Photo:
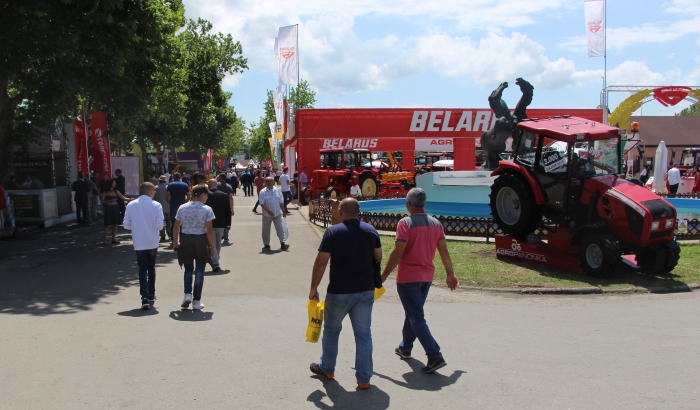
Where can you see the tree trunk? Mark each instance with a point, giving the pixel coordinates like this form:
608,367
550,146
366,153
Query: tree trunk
144,157
7,116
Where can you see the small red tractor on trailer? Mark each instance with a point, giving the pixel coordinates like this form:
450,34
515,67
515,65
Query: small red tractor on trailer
568,171
336,174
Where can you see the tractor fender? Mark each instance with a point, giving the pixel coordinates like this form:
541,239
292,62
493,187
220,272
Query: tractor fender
579,232
508,166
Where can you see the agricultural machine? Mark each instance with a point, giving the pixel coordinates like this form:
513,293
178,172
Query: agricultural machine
568,171
342,169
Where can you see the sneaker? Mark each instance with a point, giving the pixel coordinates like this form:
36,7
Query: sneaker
404,354
225,240
152,298
316,369
197,305
145,305
434,364
363,386
255,211
284,246
215,268
267,246
187,300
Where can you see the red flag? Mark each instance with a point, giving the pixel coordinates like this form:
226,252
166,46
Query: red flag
101,141
81,155
220,163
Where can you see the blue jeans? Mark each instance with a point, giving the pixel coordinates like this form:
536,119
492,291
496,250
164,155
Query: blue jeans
413,296
287,195
359,307
196,267
147,272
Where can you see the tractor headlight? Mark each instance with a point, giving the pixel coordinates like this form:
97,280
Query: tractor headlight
669,223
655,226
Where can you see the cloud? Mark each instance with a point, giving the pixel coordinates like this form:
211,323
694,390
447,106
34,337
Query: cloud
497,58
231,81
634,73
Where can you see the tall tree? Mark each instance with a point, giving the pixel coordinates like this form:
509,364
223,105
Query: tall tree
260,131
55,53
692,111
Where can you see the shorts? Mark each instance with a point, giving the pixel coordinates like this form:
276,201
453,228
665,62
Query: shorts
112,216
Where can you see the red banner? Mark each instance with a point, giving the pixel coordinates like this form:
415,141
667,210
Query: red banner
81,155
208,159
220,163
101,142
95,160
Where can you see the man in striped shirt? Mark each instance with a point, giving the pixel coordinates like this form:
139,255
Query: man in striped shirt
417,237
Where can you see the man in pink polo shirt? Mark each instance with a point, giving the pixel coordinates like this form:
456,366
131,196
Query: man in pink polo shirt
417,238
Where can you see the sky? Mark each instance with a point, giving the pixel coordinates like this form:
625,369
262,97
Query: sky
453,53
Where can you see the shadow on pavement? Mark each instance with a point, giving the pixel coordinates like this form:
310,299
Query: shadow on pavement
372,399
416,380
139,312
186,315
63,270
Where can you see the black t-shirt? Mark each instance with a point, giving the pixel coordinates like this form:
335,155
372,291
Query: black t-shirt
218,202
351,256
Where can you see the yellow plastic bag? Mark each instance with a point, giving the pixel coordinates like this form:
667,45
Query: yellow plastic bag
378,292
313,330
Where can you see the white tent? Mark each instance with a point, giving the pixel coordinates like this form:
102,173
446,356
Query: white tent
239,166
658,185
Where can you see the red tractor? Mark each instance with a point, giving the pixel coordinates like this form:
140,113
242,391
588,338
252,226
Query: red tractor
340,170
568,171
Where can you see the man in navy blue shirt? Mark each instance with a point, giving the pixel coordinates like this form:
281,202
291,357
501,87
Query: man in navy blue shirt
178,193
351,247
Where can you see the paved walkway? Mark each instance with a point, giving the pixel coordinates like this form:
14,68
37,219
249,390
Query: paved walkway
73,337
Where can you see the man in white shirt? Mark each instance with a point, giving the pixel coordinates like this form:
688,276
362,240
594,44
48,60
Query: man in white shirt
286,190
144,218
272,204
673,176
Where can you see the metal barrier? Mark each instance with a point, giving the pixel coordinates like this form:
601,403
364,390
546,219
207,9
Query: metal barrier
320,214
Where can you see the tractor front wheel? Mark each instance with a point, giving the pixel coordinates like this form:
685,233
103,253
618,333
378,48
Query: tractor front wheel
673,254
600,254
306,195
331,193
513,206
368,184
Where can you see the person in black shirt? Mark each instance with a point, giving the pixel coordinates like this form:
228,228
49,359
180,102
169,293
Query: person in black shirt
351,247
81,188
12,183
121,187
219,203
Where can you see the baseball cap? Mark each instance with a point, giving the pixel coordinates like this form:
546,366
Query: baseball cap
199,190
286,168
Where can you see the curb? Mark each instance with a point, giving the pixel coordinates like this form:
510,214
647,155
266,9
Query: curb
578,291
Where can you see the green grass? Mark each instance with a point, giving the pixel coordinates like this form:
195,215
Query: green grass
475,264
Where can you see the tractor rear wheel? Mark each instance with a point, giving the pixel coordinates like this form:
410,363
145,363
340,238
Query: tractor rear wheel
600,254
513,206
306,195
368,184
331,193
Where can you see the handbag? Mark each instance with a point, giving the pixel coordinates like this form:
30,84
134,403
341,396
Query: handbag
376,264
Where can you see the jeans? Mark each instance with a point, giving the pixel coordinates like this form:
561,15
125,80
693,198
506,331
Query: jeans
147,272
196,267
218,233
287,195
413,296
359,307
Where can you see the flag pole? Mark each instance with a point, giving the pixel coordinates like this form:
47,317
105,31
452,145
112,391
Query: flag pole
298,72
605,60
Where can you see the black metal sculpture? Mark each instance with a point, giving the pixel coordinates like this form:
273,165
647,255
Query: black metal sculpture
493,141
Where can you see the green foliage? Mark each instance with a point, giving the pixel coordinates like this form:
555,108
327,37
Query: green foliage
692,111
260,131
233,139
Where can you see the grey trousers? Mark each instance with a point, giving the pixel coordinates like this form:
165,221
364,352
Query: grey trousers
218,234
266,222
166,226
93,208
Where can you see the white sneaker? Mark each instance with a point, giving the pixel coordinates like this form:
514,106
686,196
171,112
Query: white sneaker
197,305
187,300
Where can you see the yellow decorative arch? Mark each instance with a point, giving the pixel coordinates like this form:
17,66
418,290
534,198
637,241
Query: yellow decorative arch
623,111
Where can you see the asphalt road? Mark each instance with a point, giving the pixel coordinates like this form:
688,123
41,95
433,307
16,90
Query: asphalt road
73,337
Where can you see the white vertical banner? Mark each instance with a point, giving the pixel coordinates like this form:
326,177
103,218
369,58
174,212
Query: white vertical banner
595,27
277,54
288,57
278,101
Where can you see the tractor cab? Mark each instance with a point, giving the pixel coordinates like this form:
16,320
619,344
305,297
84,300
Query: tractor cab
561,162
346,159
